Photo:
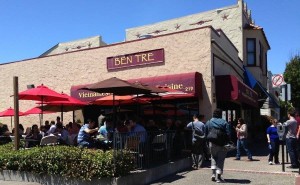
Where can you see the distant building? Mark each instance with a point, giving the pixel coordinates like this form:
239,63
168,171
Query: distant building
76,45
271,105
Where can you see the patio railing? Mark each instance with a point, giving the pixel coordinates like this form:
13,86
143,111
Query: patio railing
150,149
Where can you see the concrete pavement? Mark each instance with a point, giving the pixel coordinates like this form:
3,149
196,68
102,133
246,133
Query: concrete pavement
257,172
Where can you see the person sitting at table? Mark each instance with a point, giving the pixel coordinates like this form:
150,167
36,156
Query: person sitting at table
62,134
4,130
136,129
52,128
4,134
106,130
86,133
34,137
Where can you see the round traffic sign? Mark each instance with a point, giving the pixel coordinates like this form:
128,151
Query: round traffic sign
277,80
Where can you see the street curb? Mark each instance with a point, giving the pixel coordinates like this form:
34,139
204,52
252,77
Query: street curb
297,180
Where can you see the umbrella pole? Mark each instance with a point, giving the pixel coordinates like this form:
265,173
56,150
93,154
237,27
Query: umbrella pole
11,123
73,116
61,113
41,120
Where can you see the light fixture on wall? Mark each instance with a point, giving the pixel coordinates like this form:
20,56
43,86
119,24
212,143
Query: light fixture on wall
30,86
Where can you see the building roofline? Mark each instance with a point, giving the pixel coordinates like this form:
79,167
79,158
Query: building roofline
114,44
73,41
256,27
185,16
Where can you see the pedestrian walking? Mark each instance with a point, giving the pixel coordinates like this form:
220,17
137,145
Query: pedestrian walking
218,133
242,133
198,141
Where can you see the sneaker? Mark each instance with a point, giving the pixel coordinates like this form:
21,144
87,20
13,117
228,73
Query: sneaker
250,159
213,178
270,163
278,163
220,180
237,159
195,167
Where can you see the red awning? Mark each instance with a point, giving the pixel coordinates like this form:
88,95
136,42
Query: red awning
190,83
229,88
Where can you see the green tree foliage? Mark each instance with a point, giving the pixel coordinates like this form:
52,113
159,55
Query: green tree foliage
292,76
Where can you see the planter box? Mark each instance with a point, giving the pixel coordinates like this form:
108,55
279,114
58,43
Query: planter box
135,178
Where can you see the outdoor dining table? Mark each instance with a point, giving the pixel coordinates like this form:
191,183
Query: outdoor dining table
29,140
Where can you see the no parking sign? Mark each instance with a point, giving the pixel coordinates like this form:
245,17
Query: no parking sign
278,80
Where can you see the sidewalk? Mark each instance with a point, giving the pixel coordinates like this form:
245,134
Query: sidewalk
257,172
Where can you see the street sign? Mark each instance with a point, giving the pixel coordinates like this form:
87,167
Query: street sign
277,80
286,92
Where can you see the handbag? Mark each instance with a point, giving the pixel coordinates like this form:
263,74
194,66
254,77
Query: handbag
230,146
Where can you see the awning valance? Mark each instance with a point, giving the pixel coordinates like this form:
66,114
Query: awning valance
263,94
190,83
229,88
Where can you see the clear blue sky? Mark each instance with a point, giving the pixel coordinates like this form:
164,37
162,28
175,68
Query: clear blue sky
29,28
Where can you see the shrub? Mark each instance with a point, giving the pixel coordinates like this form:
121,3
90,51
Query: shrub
69,162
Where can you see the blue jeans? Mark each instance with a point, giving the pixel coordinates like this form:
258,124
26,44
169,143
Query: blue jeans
242,143
291,146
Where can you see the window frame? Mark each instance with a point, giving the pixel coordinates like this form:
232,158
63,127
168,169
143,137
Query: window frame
252,52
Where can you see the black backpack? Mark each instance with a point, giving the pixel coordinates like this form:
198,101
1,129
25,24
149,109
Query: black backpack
217,136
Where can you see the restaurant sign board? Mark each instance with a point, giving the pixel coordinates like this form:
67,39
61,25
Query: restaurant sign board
133,60
190,83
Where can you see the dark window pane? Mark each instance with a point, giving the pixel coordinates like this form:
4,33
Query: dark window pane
251,59
250,45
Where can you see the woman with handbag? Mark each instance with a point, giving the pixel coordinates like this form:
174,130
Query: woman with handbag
242,133
218,134
198,140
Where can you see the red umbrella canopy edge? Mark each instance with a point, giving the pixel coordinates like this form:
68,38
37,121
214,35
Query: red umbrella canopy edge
41,93
10,112
116,86
69,101
37,110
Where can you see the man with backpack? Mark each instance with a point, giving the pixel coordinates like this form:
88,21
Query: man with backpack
218,134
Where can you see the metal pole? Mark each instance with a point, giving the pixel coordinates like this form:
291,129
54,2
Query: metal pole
42,111
282,152
16,113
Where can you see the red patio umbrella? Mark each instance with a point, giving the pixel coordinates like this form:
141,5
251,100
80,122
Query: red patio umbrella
37,110
41,93
122,100
69,104
116,86
10,112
